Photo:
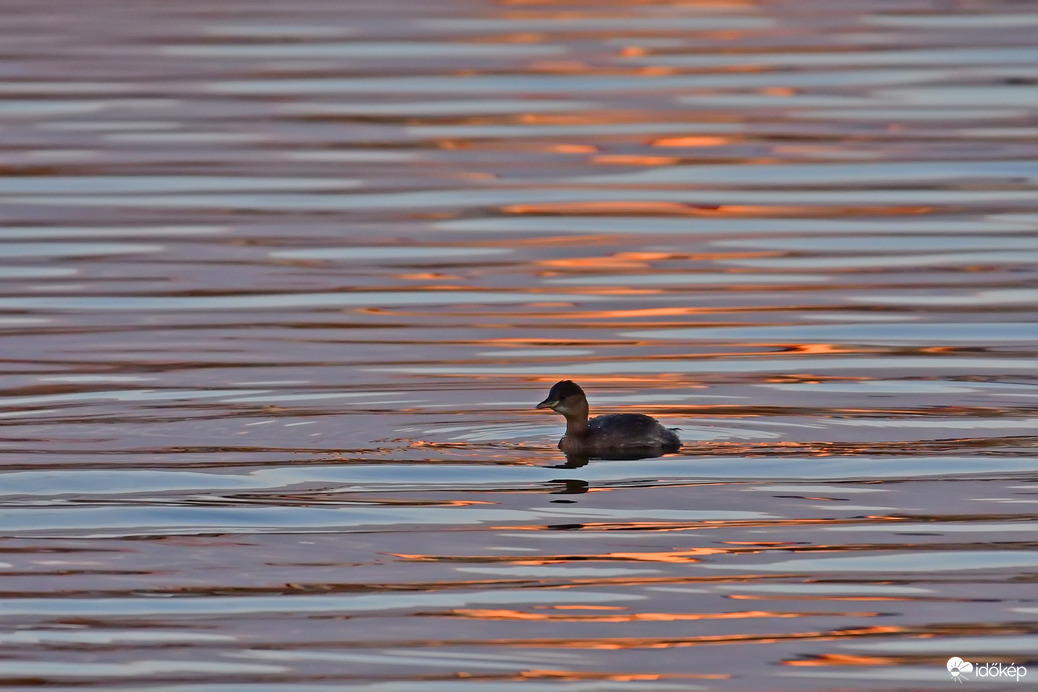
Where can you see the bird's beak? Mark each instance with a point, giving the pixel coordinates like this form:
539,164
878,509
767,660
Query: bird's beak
547,403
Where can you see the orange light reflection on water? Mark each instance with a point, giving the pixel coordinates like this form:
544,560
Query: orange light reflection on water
640,260
692,142
825,597
504,614
608,262
576,676
634,160
573,676
826,660
674,209
664,527
819,349
618,643
675,557
573,148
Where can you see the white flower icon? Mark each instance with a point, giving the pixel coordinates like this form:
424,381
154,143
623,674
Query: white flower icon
956,666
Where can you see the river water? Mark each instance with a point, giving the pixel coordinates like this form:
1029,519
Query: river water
282,282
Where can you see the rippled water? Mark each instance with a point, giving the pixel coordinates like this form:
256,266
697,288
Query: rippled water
281,283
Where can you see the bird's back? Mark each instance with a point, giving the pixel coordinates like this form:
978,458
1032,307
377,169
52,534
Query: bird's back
618,430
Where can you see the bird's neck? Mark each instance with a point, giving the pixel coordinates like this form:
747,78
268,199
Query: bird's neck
576,422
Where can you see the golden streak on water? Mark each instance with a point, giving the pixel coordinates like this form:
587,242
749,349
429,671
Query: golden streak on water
281,288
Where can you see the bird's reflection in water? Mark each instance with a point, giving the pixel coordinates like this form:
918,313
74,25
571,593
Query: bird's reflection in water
570,486
573,461
576,461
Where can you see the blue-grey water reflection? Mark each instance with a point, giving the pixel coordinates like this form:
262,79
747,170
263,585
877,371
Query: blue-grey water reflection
281,282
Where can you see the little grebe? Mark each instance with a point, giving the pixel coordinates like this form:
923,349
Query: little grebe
610,433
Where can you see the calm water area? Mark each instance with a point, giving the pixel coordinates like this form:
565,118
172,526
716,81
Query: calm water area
282,281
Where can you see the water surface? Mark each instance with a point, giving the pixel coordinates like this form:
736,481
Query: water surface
281,284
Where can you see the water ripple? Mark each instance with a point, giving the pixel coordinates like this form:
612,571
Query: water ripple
280,289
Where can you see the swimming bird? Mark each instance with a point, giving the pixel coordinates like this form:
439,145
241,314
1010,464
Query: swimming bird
609,434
